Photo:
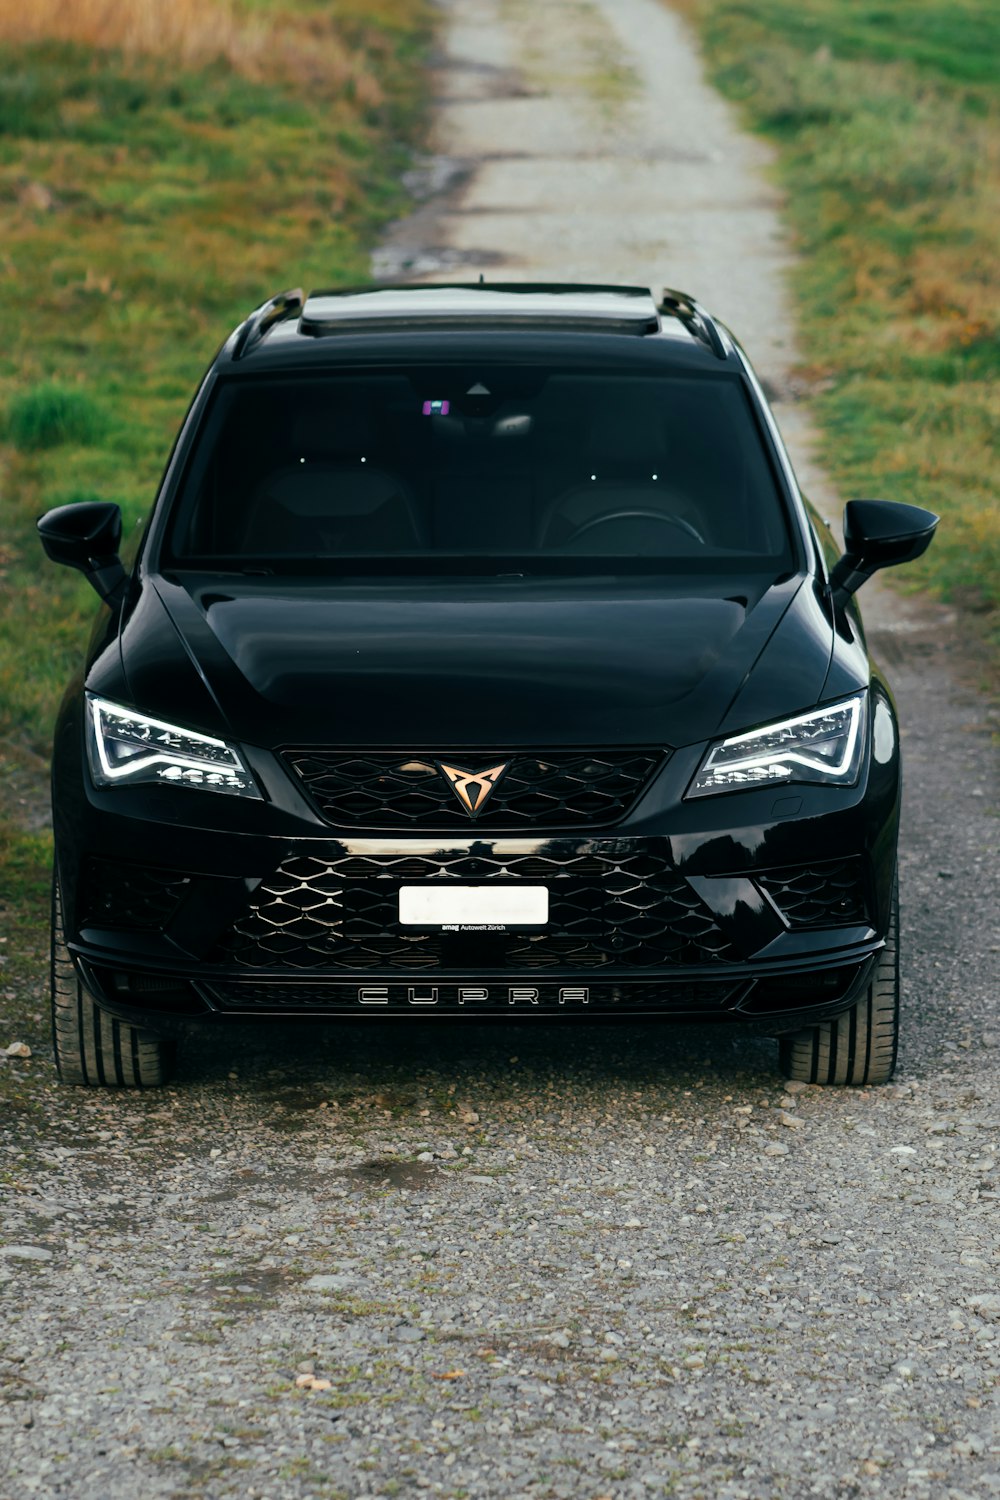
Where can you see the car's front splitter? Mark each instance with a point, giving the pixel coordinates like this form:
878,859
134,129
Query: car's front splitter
767,997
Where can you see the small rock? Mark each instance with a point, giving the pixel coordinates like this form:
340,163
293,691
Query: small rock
405,1333
792,1121
25,1252
695,1361
332,1283
37,196
794,1086
468,1116
17,1049
775,1148
425,1156
987,1305
902,1151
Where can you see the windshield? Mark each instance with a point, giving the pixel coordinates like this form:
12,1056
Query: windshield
481,469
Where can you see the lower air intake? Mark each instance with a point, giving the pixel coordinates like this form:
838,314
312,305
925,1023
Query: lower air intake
608,909
528,997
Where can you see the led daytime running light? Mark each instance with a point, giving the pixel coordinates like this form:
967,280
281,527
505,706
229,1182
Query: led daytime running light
822,746
150,750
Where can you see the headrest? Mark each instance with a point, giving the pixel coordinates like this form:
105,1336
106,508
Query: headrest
627,435
331,430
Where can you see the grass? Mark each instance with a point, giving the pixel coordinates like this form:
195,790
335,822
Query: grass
258,39
49,414
164,166
887,123
25,891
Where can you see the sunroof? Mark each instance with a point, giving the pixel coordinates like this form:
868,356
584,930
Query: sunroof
608,308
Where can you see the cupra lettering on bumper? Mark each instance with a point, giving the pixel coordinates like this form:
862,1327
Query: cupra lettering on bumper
470,995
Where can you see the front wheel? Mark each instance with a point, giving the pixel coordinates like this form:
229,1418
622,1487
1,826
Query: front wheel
859,1046
91,1047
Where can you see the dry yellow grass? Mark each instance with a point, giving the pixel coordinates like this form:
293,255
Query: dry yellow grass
191,28
198,32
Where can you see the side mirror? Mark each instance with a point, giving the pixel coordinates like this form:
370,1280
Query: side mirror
879,534
87,536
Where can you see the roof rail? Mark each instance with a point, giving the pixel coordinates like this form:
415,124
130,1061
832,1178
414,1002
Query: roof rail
695,318
262,318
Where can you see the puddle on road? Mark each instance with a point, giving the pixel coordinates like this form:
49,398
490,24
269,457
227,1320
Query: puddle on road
381,1172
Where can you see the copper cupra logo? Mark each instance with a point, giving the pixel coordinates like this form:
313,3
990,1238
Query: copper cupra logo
472,788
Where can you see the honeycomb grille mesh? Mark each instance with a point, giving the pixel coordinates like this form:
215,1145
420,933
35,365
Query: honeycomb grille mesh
136,897
402,793
828,894
607,910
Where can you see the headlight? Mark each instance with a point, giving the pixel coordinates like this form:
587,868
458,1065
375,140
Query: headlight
823,746
127,749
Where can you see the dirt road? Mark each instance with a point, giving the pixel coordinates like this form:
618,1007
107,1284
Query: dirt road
527,1262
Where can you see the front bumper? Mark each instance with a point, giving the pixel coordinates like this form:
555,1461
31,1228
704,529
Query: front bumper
628,934
765,907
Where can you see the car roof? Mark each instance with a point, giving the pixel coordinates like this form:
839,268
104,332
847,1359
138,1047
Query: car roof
533,320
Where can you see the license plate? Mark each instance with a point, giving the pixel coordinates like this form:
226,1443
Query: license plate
473,908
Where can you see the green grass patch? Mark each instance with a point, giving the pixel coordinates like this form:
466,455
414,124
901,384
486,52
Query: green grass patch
25,893
887,124
146,205
49,415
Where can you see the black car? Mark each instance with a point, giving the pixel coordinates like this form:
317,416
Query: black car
481,658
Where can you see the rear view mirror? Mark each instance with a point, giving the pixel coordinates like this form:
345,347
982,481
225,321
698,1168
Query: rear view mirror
879,534
87,536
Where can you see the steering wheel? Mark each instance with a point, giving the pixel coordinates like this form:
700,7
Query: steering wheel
636,515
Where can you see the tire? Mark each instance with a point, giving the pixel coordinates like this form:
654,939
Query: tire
859,1046
91,1047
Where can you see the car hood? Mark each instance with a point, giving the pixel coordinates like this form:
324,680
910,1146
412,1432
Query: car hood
465,663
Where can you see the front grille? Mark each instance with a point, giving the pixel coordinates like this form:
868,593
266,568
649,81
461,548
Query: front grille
138,897
607,909
408,793
829,894
691,996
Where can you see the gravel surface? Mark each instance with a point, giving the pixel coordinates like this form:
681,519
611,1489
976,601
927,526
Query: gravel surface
503,1261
